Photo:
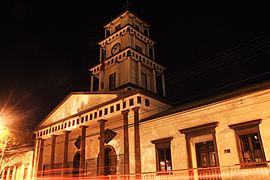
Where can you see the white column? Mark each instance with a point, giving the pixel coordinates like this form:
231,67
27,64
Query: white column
92,83
36,155
100,53
22,171
154,81
128,70
29,170
147,50
3,173
101,81
140,73
153,52
13,173
118,74
133,40
163,85
8,174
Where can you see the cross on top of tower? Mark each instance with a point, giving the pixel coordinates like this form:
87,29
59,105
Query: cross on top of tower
127,5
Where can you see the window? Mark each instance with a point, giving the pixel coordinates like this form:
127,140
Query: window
105,111
95,115
82,119
139,100
78,121
117,27
249,143
91,116
147,102
163,154
111,109
124,104
117,107
138,48
131,102
112,82
86,118
100,113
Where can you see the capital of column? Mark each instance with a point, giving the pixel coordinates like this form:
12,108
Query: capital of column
102,120
54,136
135,109
83,126
125,112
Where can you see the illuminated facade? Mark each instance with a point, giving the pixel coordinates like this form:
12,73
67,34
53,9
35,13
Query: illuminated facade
18,164
124,125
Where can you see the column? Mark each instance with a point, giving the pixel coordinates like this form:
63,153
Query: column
8,174
140,73
100,54
65,158
147,50
82,152
128,69
126,141
154,81
137,140
22,171
163,85
3,173
133,40
92,83
215,147
52,151
35,158
101,146
118,74
40,157
190,172
13,173
153,52
101,81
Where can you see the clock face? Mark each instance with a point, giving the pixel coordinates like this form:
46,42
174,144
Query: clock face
115,49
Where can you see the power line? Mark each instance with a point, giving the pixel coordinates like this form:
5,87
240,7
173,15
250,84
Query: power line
256,47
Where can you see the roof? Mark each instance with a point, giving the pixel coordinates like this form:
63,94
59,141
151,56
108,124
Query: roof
223,95
118,95
127,11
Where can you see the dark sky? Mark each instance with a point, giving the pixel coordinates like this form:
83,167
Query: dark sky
46,48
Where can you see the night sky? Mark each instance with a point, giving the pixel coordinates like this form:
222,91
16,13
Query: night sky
46,48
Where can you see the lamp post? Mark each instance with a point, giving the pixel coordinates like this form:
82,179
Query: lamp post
4,134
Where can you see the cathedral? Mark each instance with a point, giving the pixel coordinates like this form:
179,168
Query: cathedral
124,126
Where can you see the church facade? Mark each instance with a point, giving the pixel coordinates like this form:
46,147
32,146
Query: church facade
125,126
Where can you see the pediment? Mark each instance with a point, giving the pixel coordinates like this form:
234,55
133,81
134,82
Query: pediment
75,103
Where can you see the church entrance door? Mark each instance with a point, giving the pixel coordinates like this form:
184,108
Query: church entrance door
110,161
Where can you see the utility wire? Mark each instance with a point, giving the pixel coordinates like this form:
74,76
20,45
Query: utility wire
222,60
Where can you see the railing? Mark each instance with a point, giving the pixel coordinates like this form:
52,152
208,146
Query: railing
235,172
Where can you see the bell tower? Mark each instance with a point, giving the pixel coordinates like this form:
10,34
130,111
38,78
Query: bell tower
127,57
